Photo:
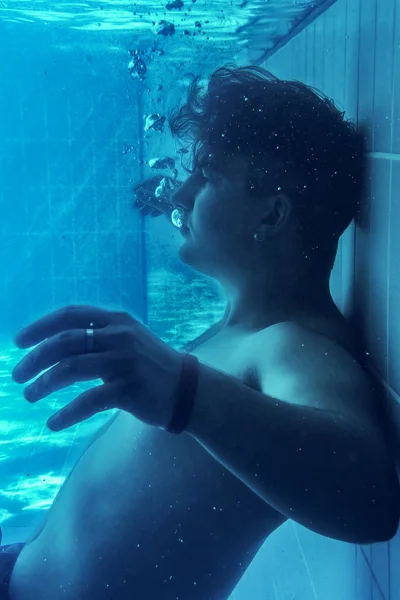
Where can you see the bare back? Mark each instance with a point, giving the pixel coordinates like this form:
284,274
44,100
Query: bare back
148,515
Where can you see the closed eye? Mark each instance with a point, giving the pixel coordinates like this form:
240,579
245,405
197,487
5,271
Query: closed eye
209,174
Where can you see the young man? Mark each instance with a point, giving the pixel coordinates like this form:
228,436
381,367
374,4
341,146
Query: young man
285,419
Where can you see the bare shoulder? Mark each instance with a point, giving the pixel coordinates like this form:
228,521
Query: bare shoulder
301,366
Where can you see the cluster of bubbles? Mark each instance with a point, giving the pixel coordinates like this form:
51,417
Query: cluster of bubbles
153,196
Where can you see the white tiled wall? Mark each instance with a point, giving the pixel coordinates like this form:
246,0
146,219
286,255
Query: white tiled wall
352,53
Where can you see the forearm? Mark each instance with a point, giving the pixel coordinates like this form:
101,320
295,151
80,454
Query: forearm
313,466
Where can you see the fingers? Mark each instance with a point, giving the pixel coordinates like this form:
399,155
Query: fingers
66,373
69,317
60,338
95,400
70,344
50,352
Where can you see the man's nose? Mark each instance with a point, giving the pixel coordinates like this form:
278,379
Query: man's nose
186,193
181,196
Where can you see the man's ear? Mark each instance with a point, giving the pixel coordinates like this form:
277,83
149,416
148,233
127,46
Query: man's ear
278,211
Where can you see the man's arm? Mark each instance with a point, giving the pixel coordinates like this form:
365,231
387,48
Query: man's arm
102,430
309,445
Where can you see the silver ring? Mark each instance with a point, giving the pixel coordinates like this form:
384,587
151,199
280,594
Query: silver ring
89,340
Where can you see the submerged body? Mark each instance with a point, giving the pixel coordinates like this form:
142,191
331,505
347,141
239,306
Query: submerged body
276,179
148,515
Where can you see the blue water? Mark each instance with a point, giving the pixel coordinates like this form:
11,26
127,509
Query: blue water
33,461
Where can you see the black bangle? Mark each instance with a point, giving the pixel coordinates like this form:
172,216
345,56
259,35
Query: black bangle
186,394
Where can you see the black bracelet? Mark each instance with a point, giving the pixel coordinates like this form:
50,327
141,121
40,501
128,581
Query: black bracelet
186,394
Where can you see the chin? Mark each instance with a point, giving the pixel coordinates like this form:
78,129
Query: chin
188,254
184,253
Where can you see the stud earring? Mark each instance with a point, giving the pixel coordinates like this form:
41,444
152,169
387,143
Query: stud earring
259,237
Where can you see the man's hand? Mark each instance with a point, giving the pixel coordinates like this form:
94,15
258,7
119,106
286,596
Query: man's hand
140,373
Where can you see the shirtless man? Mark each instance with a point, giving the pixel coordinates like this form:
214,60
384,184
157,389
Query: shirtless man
285,421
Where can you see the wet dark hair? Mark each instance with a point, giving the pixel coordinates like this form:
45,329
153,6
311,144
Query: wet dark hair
294,138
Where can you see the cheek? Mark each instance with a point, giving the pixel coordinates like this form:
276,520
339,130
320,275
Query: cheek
207,211
216,214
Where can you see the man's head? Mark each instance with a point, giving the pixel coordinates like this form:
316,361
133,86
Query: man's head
268,156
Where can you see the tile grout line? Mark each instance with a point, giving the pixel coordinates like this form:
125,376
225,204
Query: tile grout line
384,155
373,576
305,563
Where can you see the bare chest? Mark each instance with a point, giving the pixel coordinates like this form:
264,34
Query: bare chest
147,453
163,505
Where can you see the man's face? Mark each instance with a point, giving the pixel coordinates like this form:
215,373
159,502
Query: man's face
220,218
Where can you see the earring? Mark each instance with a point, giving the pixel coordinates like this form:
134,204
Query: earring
259,237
